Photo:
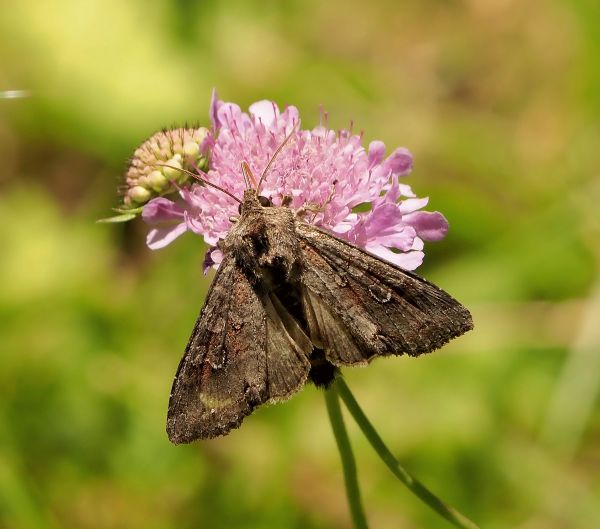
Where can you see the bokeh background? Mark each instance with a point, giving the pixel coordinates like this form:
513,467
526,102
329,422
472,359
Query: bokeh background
499,101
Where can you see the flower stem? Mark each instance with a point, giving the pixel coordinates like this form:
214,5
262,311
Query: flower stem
413,484
348,463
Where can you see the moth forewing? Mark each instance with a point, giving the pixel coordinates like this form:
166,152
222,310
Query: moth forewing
221,377
246,348
382,308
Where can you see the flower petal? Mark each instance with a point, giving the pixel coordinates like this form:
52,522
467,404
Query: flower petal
382,218
402,239
213,110
400,162
161,210
418,244
212,259
430,226
412,204
376,153
406,191
163,235
266,111
409,260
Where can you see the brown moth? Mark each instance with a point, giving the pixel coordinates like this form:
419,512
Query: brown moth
290,303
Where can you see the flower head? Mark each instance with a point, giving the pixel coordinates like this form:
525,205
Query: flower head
156,166
354,192
159,166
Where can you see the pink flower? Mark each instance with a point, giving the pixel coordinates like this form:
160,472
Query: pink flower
356,190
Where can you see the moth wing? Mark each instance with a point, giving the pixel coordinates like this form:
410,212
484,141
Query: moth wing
241,354
360,306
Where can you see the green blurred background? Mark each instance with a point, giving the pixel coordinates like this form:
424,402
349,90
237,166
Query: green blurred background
499,101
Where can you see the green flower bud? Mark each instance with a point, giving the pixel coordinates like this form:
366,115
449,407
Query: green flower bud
202,164
172,167
200,134
139,194
177,147
158,181
191,149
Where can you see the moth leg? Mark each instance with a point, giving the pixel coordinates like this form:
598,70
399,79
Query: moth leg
307,208
315,209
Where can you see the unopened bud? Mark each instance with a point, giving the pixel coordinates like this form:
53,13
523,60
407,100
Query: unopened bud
157,181
173,167
191,149
202,164
139,194
200,134
161,165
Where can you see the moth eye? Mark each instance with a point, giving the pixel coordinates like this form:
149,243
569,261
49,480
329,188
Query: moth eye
265,202
240,209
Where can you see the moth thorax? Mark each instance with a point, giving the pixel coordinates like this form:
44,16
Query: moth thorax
280,274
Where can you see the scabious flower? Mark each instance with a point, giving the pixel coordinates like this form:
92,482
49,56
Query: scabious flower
351,191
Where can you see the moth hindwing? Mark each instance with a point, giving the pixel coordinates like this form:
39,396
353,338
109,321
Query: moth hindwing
292,303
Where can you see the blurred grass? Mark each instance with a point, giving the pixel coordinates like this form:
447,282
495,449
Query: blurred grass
498,100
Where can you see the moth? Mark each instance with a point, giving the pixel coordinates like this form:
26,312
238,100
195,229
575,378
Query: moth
292,303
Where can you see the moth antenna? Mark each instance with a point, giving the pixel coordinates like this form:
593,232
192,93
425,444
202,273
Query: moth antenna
275,154
200,179
248,176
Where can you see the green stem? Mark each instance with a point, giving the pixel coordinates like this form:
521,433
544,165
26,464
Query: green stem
413,484
348,464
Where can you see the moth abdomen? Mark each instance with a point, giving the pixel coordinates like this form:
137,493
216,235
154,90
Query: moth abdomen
322,372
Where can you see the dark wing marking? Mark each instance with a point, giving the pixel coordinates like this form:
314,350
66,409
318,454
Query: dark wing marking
240,355
359,306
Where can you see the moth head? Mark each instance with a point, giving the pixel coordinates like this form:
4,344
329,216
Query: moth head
252,200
